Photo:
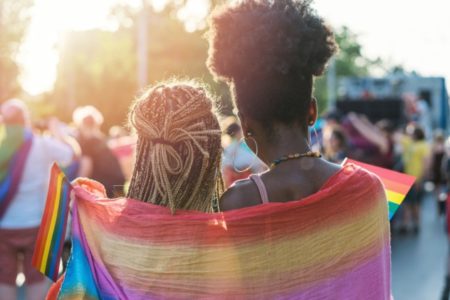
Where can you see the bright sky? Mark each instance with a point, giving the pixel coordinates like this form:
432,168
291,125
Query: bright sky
413,33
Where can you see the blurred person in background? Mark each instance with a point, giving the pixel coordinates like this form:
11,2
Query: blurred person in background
123,145
446,175
446,165
424,117
238,160
97,161
379,140
66,133
437,175
333,117
117,132
418,111
335,144
25,161
416,157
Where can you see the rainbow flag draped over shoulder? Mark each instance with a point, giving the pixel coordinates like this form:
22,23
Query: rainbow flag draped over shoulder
331,245
396,184
49,244
15,145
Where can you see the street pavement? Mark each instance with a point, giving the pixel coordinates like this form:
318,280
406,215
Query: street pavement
419,261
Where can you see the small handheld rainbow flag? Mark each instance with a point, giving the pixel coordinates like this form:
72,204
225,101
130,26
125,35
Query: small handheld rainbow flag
49,244
397,184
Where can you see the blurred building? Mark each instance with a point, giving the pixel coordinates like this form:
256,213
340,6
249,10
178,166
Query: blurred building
398,97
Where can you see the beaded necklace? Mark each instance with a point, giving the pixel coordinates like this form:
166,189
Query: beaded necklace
292,156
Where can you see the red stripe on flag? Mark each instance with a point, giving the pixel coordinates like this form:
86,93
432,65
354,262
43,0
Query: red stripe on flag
390,175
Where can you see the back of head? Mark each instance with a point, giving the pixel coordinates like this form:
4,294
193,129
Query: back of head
270,52
179,148
15,112
87,117
340,136
415,131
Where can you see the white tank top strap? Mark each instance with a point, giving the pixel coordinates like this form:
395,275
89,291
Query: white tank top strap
261,188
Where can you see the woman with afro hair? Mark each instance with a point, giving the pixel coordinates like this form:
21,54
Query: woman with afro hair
269,52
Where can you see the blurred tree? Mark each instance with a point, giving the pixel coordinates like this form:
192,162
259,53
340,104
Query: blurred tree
96,68
14,19
100,67
350,61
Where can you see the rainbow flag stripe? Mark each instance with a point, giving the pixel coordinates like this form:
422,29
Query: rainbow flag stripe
331,245
396,184
49,244
12,175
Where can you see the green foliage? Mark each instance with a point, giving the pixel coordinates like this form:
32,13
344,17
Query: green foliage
96,68
14,19
100,67
350,61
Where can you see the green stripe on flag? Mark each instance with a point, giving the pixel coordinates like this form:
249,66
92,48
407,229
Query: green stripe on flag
392,209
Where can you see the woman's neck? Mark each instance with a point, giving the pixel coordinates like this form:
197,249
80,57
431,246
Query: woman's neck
287,141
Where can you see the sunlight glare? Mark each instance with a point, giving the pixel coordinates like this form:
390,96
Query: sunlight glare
159,5
52,18
193,14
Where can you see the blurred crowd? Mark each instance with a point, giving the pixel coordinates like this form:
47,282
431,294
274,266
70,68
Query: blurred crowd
80,148
403,148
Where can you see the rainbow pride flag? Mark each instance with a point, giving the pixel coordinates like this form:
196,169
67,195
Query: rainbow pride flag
15,145
396,184
331,245
49,244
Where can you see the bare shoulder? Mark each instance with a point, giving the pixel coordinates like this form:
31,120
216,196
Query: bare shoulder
327,169
332,167
243,193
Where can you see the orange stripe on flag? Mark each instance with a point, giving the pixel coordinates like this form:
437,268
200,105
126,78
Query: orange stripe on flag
396,187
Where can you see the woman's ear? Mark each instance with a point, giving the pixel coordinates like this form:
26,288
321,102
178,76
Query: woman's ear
312,112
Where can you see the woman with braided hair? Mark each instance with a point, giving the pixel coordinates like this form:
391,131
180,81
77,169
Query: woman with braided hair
178,153
333,245
179,148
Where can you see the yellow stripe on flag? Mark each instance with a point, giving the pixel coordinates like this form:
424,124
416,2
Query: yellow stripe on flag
52,223
394,197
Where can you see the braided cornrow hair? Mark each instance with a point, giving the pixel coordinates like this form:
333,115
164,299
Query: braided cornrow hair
179,150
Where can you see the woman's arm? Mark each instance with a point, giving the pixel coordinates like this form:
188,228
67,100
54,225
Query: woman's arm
370,132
